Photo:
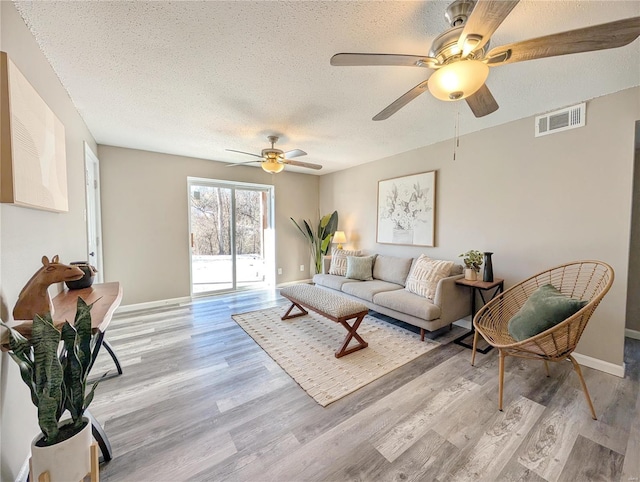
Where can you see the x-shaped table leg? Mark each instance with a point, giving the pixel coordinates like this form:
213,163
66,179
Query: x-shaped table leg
352,334
287,316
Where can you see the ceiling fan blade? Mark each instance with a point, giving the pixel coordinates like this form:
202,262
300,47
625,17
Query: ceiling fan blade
400,102
294,153
485,18
482,102
383,59
303,164
234,164
598,37
247,153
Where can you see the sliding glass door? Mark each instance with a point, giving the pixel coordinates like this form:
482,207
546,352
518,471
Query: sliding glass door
231,236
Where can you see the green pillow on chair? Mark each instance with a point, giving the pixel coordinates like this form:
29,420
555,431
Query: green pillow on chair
544,309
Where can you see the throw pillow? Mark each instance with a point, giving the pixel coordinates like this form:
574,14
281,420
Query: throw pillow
360,267
544,309
339,260
425,274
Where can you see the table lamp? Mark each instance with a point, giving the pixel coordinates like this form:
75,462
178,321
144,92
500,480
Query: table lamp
339,237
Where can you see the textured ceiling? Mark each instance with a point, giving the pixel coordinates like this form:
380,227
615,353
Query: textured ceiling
194,78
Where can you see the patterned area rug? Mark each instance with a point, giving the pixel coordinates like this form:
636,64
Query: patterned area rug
305,346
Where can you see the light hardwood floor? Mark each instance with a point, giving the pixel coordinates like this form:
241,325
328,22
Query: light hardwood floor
200,401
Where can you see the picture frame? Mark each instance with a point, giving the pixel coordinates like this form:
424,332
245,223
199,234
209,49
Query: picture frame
33,163
406,210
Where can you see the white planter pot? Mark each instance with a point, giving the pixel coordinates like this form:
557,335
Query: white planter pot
65,461
470,274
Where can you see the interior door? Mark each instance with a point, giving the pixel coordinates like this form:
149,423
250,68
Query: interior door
93,218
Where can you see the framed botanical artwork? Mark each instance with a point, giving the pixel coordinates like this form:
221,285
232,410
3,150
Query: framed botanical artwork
406,210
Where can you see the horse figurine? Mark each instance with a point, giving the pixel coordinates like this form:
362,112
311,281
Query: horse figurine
34,298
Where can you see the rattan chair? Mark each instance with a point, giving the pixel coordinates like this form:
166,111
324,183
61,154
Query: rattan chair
585,280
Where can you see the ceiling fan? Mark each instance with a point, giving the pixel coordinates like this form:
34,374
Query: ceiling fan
461,57
273,160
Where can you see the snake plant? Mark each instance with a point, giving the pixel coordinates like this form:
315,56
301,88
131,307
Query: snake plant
320,239
56,373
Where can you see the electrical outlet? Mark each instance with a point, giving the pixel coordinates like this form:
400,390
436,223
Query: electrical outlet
279,270
302,267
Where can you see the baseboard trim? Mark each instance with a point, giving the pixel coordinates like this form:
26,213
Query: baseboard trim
153,304
629,333
23,475
603,366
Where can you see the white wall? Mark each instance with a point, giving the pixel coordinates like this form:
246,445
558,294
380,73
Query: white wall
28,234
145,224
534,202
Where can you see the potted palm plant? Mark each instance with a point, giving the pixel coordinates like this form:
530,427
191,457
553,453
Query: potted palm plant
472,261
320,239
55,364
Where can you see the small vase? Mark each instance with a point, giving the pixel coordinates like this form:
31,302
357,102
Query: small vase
402,236
488,268
470,274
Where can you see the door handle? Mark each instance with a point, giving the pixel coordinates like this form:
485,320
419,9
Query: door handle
92,253
192,243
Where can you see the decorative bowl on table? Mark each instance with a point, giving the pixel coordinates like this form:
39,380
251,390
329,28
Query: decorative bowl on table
87,280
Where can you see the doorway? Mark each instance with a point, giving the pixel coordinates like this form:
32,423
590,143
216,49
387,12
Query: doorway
93,217
231,236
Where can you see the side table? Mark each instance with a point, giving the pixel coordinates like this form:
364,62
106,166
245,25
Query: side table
492,288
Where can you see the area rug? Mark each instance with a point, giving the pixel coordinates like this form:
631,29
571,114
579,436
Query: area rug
305,348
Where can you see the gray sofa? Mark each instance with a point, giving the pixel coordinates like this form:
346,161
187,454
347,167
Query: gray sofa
386,294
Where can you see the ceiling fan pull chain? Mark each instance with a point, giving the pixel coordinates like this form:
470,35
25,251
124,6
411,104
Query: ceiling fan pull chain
456,135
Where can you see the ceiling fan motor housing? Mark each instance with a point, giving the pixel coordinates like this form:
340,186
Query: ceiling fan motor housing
445,47
273,154
458,12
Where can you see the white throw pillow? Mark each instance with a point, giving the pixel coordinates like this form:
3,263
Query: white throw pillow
425,274
339,260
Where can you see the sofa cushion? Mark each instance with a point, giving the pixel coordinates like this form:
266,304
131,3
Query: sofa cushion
360,267
339,260
544,309
409,303
425,274
331,281
392,269
369,289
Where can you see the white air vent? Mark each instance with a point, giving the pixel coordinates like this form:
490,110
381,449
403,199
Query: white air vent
561,120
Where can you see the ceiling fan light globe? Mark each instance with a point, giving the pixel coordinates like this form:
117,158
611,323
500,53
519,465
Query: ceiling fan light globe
458,80
272,167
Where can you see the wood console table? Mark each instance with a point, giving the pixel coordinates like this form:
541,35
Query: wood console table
482,287
106,296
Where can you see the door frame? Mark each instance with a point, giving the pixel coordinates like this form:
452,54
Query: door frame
92,163
269,238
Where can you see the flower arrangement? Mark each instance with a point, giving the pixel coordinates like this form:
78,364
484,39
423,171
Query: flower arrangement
405,204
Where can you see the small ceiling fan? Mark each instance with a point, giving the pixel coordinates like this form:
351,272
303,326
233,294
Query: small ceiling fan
461,57
273,160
